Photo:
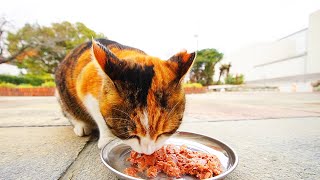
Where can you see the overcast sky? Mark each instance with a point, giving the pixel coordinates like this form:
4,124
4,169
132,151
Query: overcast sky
161,28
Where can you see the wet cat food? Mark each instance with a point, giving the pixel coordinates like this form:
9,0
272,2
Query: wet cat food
174,161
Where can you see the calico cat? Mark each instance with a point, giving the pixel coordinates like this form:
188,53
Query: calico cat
119,89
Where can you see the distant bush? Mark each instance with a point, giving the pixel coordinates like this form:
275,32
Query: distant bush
45,77
10,85
7,85
25,86
218,83
195,85
236,80
48,84
21,80
26,79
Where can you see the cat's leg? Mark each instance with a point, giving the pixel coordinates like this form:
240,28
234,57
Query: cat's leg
93,108
80,128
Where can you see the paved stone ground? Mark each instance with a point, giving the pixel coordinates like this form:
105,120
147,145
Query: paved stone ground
276,135
37,153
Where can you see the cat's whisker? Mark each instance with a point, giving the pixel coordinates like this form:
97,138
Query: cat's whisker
172,110
126,132
120,119
122,112
129,121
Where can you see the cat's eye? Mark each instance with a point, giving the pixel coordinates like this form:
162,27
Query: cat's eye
134,136
166,133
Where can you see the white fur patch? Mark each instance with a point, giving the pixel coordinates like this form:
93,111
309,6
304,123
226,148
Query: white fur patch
146,145
80,129
134,144
145,121
93,108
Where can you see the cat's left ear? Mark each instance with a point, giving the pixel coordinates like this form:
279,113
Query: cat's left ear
182,63
106,61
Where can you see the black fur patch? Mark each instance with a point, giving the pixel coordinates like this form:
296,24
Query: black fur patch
162,98
182,67
110,44
132,83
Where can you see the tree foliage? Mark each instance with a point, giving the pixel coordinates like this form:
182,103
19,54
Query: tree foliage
224,70
4,25
39,49
234,79
203,68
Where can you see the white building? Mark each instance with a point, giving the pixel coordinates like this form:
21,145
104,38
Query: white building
11,70
291,63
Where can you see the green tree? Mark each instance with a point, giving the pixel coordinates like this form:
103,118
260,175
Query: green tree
4,28
234,79
203,68
224,69
41,48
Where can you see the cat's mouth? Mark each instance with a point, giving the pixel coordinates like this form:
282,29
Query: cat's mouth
145,145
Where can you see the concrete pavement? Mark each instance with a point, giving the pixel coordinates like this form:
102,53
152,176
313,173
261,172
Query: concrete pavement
37,153
276,135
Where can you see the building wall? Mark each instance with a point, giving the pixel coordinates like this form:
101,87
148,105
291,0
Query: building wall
313,61
293,60
11,70
284,57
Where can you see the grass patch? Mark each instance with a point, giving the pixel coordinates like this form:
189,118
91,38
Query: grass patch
192,85
10,85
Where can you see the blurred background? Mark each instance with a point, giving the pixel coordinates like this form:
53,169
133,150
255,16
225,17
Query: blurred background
242,45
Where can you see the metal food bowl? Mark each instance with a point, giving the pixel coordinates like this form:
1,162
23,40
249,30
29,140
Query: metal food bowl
115,153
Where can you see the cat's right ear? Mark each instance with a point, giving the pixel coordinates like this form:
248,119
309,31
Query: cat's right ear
106,61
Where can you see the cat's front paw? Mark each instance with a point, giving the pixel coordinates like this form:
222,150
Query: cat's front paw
82,130
103,141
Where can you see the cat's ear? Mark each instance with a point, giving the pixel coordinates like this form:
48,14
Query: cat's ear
181,63
106,61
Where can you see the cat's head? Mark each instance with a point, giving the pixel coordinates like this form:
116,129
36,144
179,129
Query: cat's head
145,101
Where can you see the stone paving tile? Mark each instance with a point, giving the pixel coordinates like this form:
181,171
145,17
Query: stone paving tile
241,106
283,149
37,152
89,165
30,111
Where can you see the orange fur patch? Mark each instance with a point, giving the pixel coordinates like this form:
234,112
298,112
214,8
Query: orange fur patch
99,54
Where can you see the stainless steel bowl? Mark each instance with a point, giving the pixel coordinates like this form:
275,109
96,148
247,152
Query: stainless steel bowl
115,153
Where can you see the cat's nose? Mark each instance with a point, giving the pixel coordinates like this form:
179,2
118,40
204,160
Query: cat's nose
149,149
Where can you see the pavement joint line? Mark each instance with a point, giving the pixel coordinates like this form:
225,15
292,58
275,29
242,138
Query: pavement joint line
257,119
297,109
40,126
75,159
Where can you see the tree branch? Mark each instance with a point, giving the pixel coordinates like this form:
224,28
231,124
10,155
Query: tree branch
14,56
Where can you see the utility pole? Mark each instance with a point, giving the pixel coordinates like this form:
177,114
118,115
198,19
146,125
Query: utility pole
197,40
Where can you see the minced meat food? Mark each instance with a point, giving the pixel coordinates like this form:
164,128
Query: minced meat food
174,161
